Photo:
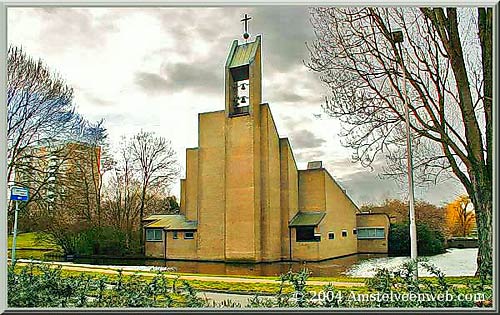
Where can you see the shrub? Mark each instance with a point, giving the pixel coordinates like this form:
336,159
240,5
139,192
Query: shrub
429,241
299,297
103,240
430,293
386,289
37,285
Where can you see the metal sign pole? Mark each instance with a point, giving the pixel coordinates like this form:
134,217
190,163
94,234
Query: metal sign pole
17,194
15,235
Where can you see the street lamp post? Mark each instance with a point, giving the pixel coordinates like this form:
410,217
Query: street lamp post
397,36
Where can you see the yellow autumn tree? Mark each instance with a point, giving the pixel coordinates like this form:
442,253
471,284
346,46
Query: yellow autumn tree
460,217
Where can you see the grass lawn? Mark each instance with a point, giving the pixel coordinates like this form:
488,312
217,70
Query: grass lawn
326,279
27,246
234,287
29,240
36,254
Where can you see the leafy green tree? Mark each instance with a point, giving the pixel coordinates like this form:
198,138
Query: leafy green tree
429,241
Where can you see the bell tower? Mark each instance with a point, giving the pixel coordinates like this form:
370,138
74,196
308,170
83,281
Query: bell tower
243,78
242,150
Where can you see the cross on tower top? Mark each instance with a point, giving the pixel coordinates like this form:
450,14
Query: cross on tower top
245,20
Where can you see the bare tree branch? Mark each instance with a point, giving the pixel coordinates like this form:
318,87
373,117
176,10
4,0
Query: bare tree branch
450,115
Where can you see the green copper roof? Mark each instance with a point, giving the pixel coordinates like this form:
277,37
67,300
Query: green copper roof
307,219
171,222
154,217
243,54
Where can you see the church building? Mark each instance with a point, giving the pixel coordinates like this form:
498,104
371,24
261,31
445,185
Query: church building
243,198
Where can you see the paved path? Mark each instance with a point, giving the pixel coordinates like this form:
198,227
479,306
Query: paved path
114,270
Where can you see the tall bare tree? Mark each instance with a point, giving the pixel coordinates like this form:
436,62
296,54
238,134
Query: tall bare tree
123,193
73,193
99,158
157,164
447,60
39,112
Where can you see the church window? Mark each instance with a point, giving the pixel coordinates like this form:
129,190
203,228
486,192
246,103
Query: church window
153,235
371,233
306,234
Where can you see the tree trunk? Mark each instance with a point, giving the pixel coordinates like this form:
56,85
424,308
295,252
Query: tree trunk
464,222
483,204
482,200
141,224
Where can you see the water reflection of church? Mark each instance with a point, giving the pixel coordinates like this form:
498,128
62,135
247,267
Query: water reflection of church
327,268
243,198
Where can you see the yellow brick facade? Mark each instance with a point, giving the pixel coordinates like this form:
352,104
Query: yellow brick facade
373,220
242,187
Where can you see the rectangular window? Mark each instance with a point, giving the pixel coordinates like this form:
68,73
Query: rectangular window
331,235
174,235
354,231
344,233
371,233
153,235
306,234
188,235
380,233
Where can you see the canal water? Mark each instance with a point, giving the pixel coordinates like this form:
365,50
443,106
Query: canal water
332,267
455,262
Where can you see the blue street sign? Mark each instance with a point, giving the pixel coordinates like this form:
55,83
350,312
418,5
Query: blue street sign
19,194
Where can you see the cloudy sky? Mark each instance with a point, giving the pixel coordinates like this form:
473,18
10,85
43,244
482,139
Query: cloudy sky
157,68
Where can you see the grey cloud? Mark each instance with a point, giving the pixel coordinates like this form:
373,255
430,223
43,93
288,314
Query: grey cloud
309,155
287,93
367,187
151,83
287,96
177,77
291,123
198,77
345,166
187,24
304,139
68,27
285,29
96,100
296,88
